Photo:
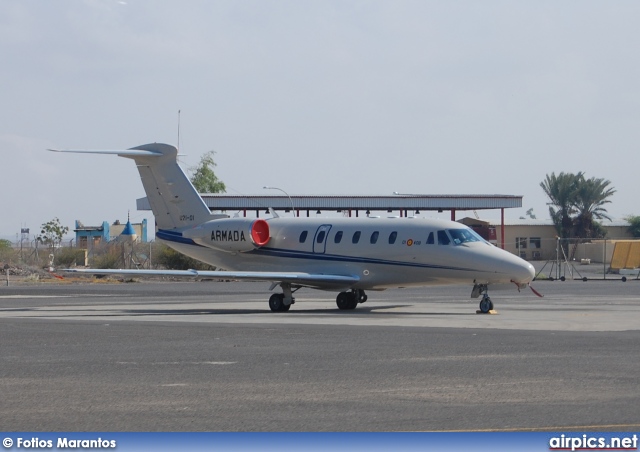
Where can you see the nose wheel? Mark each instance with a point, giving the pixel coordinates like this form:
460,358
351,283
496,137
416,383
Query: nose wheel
486,304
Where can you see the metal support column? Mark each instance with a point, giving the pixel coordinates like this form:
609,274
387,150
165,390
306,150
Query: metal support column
502,228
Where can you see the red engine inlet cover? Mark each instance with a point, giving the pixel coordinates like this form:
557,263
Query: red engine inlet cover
260,232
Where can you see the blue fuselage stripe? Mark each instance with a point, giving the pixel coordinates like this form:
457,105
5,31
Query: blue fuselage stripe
289,254
173,236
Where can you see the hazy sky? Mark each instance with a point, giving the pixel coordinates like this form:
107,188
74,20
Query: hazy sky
362,97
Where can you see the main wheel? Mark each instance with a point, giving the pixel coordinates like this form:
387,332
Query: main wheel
346,301
276,302
360,296
486,305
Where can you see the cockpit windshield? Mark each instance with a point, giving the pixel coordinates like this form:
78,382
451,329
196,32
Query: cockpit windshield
461,236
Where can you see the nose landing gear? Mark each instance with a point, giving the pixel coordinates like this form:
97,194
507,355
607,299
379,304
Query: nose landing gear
486,305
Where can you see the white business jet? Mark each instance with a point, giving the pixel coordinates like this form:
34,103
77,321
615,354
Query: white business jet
346,255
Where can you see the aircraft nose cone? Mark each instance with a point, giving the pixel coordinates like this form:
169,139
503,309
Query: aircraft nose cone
524,273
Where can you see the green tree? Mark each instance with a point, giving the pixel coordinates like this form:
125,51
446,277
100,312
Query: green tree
634,225
561,191
576,204
592,194
51,234
530,214
6,248
204,178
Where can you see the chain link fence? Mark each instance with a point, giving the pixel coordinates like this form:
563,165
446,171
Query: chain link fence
584,259
28,258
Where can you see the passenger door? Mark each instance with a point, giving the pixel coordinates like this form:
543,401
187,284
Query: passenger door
320,239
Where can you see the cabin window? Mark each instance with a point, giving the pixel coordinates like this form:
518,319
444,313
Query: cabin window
338,237
303,236
430,239
443,238
374,237
320,237
356,237
392,237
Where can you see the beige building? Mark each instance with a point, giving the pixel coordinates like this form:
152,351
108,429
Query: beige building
538,239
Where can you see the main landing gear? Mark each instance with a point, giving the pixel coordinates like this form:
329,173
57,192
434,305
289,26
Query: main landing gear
349,300
281,302
486,304
276,303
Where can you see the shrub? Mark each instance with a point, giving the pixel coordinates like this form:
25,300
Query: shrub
173,260
6,250
68,257
111,258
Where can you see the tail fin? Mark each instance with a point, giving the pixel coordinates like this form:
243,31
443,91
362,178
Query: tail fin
174,201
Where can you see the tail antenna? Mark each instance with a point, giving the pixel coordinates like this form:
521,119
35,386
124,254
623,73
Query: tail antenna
178,144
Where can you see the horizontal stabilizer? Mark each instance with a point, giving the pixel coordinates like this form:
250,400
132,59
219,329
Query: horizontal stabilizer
120,152
174,201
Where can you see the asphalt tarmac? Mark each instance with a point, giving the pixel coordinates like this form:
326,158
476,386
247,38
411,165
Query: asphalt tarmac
211,356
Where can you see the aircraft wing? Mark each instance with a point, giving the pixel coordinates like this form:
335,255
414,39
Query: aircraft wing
314,280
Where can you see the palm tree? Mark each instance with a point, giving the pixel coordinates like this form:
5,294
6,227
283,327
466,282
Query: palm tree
575,204
561,190
591,196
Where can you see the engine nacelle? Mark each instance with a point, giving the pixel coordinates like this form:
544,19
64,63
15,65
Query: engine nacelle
231,234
